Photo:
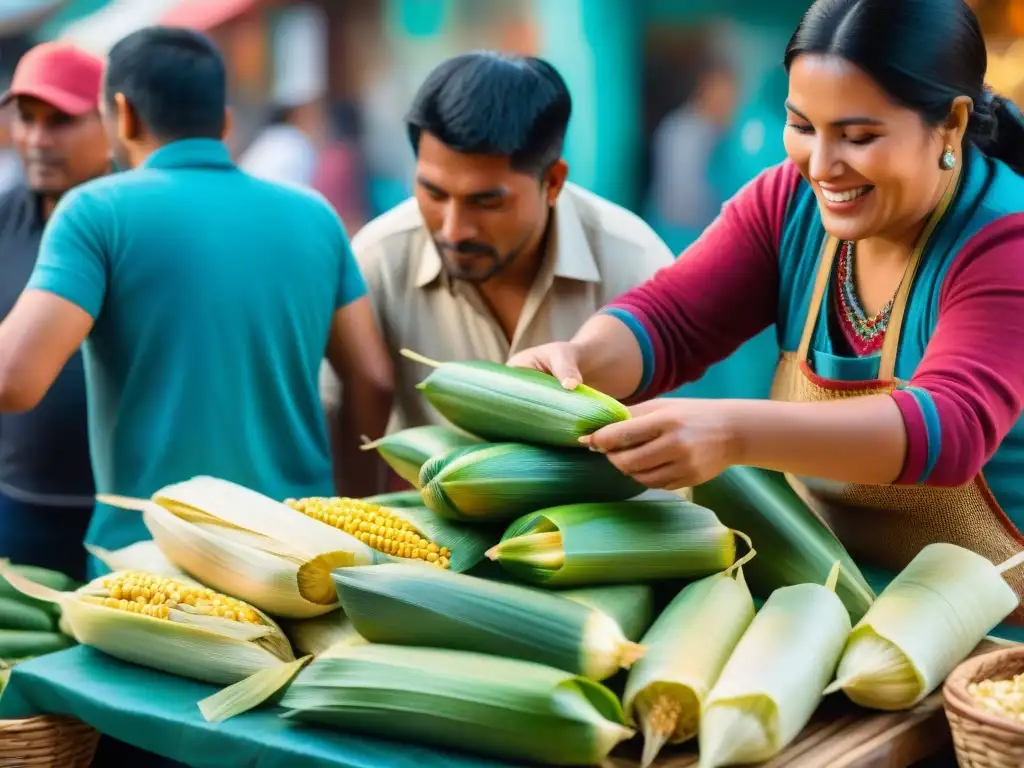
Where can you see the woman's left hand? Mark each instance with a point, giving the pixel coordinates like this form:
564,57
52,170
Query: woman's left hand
670,443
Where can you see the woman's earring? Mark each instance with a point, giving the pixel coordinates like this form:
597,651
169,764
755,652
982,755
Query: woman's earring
948,160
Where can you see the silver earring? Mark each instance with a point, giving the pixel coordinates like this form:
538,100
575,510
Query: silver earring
948,160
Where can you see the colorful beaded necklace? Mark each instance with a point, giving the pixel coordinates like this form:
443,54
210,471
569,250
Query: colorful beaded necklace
864,334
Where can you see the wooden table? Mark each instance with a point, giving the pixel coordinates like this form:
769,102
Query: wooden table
843,735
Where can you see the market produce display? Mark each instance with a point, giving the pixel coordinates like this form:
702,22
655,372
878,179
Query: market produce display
500,607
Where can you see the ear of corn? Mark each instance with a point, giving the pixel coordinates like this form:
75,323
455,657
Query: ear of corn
631,605
630,541
796,546
397,500
246,544
500,481
408,605
22,615
406,451
500,403
505,708
178,627
687,648
928,620
409,533
17,644
775,677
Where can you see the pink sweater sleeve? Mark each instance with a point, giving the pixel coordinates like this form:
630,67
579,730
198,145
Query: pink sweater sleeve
722,290
966,394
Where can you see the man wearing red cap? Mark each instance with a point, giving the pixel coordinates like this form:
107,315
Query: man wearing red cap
46,484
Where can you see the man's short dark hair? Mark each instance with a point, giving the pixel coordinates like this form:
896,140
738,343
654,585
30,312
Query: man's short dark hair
493,104
174,79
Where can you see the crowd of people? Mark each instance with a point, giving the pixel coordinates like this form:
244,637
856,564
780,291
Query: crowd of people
228,326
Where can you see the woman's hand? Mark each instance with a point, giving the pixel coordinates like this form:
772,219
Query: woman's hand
559,358
670,443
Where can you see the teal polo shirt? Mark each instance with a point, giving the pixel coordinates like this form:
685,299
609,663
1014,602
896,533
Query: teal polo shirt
212,294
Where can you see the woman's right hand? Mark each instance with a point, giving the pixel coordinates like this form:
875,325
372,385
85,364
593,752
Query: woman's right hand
559,358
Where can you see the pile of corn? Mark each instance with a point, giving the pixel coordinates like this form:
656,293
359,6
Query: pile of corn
1004,698
559,655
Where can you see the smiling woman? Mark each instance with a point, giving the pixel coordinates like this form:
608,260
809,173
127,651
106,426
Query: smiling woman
887,252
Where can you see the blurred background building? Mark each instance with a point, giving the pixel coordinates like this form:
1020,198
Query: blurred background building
677,103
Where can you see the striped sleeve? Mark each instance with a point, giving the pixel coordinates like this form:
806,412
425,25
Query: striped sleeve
720,292
968,391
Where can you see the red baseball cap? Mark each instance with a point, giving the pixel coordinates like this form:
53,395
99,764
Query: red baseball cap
61,74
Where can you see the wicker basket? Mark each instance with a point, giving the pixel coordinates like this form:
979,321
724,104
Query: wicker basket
47,742
983,740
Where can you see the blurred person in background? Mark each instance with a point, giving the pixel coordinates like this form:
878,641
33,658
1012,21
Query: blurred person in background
496,251
205,319
887,249
46,482
684,196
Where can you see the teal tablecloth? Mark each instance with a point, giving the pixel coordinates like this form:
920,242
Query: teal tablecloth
158,713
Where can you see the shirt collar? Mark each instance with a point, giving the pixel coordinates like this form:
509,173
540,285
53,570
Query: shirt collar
574,260
191,153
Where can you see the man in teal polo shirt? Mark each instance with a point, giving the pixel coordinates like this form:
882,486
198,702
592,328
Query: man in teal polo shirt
205,298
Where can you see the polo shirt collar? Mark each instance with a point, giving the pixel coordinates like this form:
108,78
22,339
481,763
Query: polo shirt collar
574,260
191,153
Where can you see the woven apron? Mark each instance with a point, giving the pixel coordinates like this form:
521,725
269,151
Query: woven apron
887,525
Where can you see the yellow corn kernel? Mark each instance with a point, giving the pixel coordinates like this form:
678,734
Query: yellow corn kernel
153,595
1004,698
375,526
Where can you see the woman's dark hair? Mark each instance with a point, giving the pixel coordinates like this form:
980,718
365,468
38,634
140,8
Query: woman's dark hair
924,54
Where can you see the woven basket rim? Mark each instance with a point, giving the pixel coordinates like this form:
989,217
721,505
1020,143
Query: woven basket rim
1008,662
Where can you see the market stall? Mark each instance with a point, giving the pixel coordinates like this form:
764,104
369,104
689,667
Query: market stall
523,603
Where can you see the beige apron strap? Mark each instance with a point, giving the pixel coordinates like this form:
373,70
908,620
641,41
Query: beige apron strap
825,261
890,345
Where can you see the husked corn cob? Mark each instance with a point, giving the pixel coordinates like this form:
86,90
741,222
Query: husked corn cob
620,542
375,526
157,596
506,708
500,403
401,605
406,451
496,482
928,620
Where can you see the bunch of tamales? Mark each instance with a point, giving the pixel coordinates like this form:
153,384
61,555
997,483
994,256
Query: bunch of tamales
402,605
508,708
928,620
175,626
495,482
622,542
776,676
501,404
796,546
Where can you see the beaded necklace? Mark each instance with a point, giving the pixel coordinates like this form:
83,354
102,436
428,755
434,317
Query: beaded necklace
864,334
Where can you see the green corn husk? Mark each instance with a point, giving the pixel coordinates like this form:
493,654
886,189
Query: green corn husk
397,499
927,621
631,605
500,403
20,644
427,607
775,678
406,451
687,648
622,542
316,636
19,614
501,481
796,547
49,578
505,708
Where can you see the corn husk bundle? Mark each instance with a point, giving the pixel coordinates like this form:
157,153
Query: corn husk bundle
500,403
631,605
178,627
397,499
501,481
796,546
927,621
622,542
406,605
775,678
406,533
686,650
247,545
406,451
505,708
30,627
